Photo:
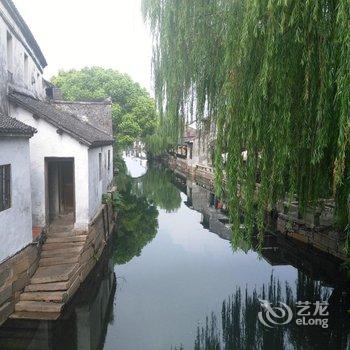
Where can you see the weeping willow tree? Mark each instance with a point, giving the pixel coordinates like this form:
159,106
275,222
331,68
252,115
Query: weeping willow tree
274,76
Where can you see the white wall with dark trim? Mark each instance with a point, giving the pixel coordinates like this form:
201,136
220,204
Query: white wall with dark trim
16,222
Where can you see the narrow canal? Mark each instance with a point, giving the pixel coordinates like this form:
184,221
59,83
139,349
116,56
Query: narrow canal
172,279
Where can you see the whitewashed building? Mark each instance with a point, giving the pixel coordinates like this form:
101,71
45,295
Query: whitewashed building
15,190
54,162
21,67
71,160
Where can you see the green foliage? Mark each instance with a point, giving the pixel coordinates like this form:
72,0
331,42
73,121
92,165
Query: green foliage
137,226
133,110
137,218
274,76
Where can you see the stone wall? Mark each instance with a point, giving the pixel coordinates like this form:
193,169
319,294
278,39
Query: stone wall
100,230
15,274
98,114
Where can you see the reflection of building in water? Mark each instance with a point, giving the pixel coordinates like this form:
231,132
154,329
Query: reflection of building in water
82,326
276,249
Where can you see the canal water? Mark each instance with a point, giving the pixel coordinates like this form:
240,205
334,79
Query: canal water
172,279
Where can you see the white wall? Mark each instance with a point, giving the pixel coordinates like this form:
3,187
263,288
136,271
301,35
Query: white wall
96,187
47,143
16,222
34,83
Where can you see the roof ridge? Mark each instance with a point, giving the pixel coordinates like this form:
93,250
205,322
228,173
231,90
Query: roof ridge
58,110
16,125
68,122
77,118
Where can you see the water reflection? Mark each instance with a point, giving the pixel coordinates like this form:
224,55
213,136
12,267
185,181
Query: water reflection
137,211
157,187
240,328
187,288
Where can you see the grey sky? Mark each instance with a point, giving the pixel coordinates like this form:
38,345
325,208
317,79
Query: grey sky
79,33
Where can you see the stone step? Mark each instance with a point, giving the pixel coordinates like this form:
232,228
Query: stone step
71,252
68,239
42,316
52,274
56,297
61,229
38,306
59,260
48,287
60,246
62,233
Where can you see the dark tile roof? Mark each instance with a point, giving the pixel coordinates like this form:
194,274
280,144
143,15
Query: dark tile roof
16,16
65,122
13,127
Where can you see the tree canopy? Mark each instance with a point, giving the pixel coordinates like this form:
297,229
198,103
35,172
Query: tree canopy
133,110
274,76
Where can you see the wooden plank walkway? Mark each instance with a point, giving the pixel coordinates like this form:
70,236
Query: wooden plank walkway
58,275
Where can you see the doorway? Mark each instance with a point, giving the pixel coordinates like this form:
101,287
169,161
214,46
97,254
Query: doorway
60,189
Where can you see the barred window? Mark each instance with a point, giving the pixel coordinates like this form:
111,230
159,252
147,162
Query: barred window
5,187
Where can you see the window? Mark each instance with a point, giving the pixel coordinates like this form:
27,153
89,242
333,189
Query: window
109,160
100,166
5,187
9,53
25,69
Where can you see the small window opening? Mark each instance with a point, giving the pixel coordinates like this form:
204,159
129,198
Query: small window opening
5,187
25,69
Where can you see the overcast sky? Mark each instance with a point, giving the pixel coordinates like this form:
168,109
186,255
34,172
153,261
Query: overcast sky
80,33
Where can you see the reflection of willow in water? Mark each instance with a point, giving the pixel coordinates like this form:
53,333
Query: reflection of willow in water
240,328
137,221
157,187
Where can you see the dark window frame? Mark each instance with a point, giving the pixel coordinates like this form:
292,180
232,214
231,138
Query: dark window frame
109,159
100,166
5,187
